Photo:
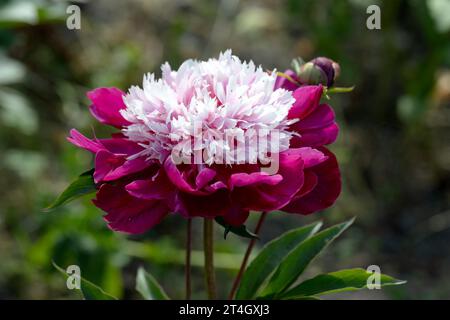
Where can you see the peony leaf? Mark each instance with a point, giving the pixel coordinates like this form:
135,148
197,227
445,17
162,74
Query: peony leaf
148,287
338,281
267,261
240,231
299,258
80,187
89,290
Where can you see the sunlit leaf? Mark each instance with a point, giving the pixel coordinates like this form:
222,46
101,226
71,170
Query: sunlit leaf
269,258
299,258
338,281
89,290
80,187
148,287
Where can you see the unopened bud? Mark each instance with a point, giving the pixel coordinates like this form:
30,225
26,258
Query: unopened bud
319,71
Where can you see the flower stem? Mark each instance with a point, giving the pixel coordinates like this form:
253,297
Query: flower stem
188,258
246,257
208,247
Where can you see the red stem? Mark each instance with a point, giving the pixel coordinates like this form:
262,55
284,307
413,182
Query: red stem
188,259
208,247
246,257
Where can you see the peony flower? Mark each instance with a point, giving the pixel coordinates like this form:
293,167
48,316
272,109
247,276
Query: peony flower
190,112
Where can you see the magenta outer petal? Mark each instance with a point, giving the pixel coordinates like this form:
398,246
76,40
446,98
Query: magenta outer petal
121,146
245,179
210,206
105,162
128,167
282,82
215,186
311,157
316,137
310,183
325,192
110,167
158,187
179,180
322,116
264,197
106,104
116,145
126,213
204,177
307,99
317,129
236,216
81,141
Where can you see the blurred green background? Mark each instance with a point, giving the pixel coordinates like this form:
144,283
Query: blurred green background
394,146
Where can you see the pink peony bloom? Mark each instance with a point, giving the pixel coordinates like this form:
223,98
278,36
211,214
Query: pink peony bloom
139,182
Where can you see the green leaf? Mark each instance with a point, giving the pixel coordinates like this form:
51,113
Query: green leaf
89,290
268,259
240,231
148,287
299,258
338,281
80,187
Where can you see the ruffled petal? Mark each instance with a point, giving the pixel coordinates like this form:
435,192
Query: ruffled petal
105,162
158,187
121,146
325,191
311,157
117,144
81,141
307,99
236,216
179,177
209,206
126,213
322,116
267,197
284,83
317,129
244,179
128,167
309,184
106,106
204,177
316,137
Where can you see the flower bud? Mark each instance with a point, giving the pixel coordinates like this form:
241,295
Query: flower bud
319,71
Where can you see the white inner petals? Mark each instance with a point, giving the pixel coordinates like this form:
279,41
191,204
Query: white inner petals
191,108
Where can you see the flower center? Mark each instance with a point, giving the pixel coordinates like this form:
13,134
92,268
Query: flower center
224,109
